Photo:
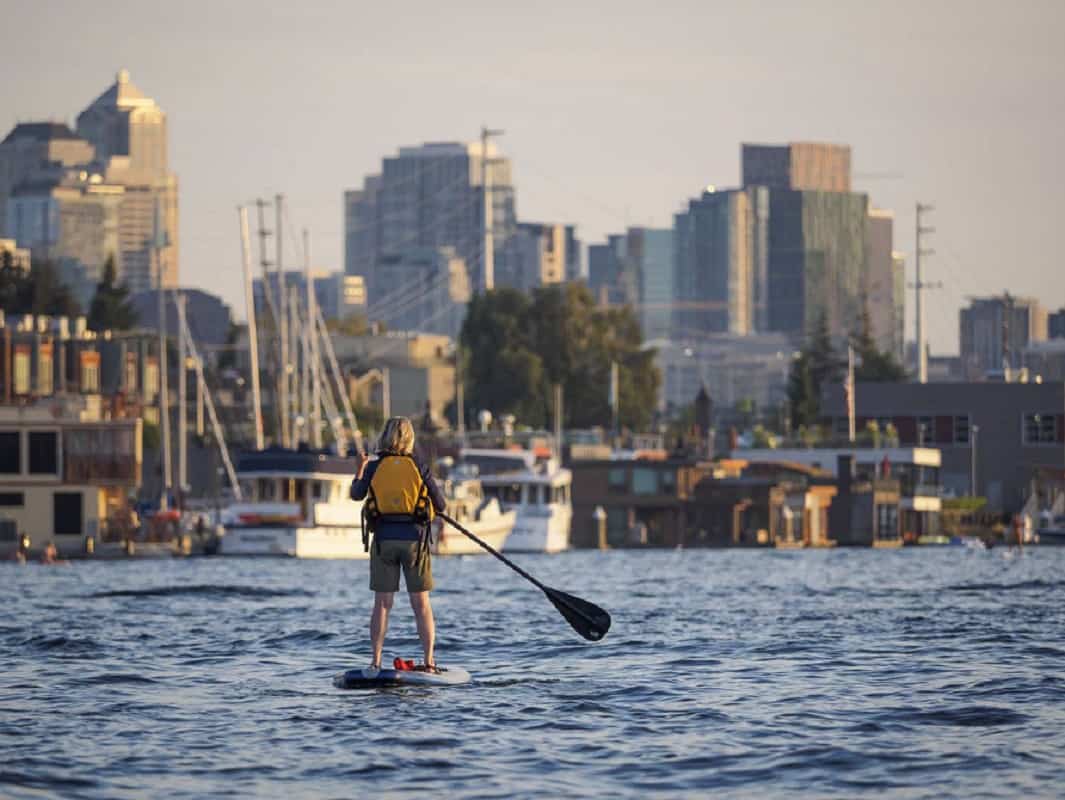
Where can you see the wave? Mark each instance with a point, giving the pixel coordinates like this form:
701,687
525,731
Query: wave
1037,583
204,590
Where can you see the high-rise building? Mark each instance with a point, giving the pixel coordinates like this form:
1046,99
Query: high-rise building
430,291
1056,324
636,269
539,255
898,267
880,287
718,242
995,331
817,246
430,196
129,133
802,166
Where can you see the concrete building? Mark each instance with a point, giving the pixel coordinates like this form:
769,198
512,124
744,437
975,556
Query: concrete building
429,196
801,166
128,131
1015,429
994,332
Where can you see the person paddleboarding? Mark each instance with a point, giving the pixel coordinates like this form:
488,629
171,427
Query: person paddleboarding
401,500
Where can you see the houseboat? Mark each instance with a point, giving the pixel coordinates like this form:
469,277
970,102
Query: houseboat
470,507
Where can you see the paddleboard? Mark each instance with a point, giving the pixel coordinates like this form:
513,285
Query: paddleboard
363,679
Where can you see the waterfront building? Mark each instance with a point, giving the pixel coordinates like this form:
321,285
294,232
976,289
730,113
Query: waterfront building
430,196
66,470
917,470
11,255
994,331
1015,429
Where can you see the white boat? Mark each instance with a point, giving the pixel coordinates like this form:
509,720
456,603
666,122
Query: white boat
295,503
537,488
481,516
1052,531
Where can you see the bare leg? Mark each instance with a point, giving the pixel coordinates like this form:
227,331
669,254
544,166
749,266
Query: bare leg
423,618
382,603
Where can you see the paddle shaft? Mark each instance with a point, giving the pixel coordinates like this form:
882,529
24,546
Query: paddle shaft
488,548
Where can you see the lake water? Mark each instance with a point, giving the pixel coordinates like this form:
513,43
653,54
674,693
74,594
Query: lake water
914,673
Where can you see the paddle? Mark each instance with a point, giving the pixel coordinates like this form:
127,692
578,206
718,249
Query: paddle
588,619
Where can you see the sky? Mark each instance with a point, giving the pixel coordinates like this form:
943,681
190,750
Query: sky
615,113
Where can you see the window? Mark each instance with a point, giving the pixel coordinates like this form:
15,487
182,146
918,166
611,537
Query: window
66,511
510,495
644,481
10,453
10,499
44,453
1040,429
667,481
22,369
618,480
962,428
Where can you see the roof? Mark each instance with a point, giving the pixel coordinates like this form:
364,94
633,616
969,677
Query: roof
121,94
40,132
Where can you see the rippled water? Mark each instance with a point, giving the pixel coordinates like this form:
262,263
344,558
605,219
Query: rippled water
914,673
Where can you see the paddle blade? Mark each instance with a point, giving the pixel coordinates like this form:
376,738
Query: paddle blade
588,619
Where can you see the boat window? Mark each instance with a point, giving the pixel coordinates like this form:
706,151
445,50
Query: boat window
267,489
644,481
511,494
319,490
617,480
247,489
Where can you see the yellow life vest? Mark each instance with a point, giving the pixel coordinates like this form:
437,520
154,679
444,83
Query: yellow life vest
397,493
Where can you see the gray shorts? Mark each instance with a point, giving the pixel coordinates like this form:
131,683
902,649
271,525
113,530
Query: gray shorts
412,556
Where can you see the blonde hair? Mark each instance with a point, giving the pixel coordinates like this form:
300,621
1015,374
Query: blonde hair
397,437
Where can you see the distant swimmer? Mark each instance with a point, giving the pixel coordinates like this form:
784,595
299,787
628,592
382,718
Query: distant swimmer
401,500
50,555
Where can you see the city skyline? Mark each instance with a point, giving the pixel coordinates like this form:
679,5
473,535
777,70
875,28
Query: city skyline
952,105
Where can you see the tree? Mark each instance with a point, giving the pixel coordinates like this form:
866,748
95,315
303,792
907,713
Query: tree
816,366
873,365
520,345
35,291
111,308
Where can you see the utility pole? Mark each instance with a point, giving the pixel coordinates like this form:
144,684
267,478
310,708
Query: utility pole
918,287
282,293
488,254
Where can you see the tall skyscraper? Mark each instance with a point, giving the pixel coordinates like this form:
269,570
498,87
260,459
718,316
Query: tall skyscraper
717,244
636,269
880,287
129,133
540,254
817,258
429,196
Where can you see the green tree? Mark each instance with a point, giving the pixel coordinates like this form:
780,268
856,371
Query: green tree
36,291
520,345
817,366
111,308
873,365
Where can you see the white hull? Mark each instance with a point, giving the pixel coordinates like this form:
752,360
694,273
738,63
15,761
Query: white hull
293,542
494,532
538,532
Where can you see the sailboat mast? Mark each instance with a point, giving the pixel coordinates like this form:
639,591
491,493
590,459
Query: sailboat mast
253,338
